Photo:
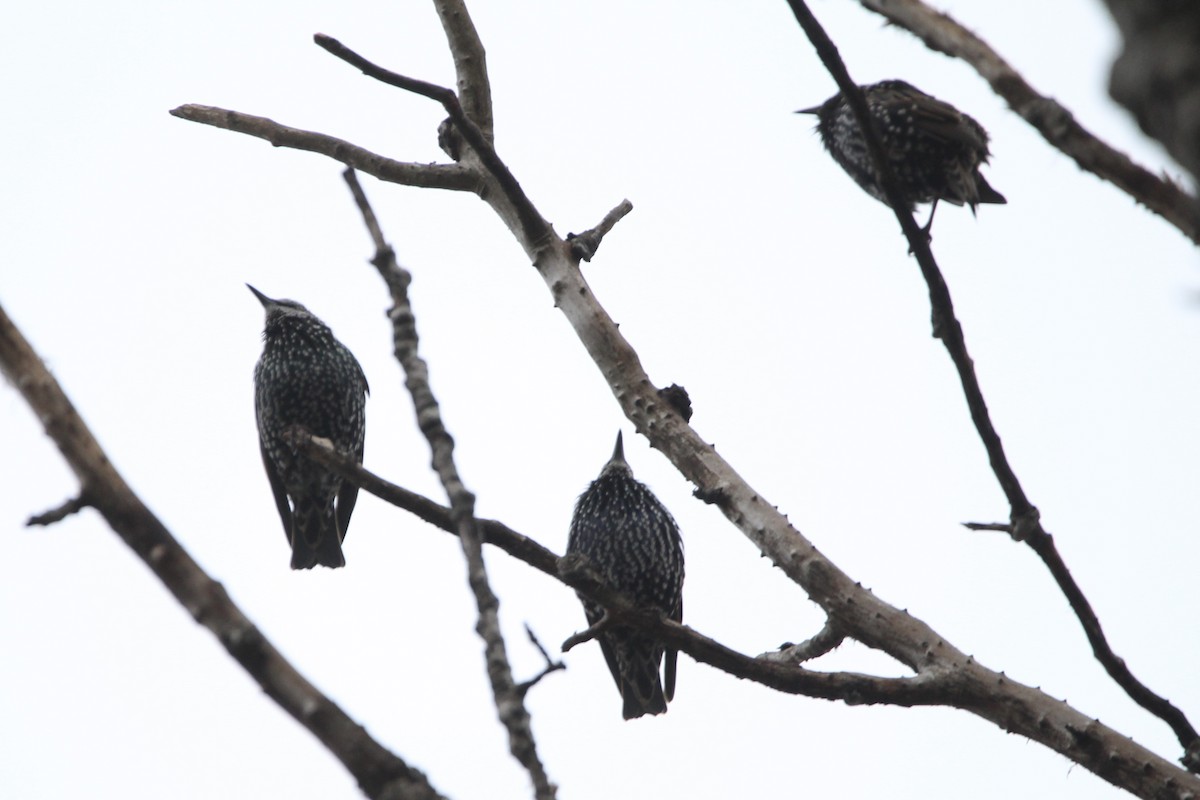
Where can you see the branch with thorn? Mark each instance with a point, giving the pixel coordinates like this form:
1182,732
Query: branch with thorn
508,697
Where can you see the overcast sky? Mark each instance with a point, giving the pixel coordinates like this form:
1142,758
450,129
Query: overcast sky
752,271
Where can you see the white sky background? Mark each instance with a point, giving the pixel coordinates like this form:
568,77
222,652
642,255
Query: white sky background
752,271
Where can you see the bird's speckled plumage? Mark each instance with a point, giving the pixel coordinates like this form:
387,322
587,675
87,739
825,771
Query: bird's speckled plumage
307,377
934,149
632,540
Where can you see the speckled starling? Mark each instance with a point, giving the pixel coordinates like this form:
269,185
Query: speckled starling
632,540
934,149
307,377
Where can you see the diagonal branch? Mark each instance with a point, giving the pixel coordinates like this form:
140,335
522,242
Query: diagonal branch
1026,523
430,176
470,63
941,32
507,695
380,773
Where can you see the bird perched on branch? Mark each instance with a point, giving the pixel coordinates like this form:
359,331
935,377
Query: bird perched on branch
934,149
633,542
307,377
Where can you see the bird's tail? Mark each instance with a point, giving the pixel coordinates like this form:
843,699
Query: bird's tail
986,193
641,689
315,537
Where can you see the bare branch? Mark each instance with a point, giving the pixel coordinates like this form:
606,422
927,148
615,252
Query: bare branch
380,773
1057,125
585,245
589,633
989,526
1042,543
59,513
551,665
535,226
432,176
470,63
949,677
508,697
1026,524
494,533
824,641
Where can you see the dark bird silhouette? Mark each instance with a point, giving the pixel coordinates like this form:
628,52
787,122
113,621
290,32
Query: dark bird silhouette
632,540
934,149
307,377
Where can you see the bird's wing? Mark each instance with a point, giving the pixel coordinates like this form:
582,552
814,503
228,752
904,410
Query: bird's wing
281,499
594,614
669,658
346,498
944,121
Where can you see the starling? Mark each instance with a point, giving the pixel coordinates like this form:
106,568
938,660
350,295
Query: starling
307,377
934,149
631,539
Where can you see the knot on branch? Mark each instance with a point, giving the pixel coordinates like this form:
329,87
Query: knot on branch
677,398
449,139
1027,525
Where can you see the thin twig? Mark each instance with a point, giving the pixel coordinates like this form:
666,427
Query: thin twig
1026,523
940,32
551,665
59,513
379,772
508,698
535,226
1042,543
989,526
589,633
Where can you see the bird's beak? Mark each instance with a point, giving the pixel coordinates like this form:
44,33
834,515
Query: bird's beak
813,110
262,298
619,450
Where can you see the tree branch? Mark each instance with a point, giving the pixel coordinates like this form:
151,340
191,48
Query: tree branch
824,641
584,245
380,773
470,63
534,224
1026,522
940,32
551,665
948,677
59,513
508,697
454,177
